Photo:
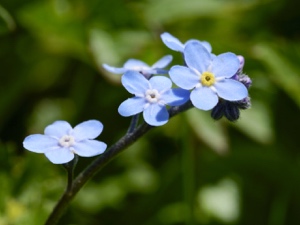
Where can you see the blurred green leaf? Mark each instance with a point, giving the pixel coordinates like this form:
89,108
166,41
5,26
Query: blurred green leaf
61,32
209,131
220,201
173,213
256,123
180,10
103,49
7,19
281,71
95,197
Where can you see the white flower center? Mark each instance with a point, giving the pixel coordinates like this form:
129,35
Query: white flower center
152,95
66,141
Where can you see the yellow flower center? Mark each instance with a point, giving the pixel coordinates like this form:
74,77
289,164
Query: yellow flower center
207,78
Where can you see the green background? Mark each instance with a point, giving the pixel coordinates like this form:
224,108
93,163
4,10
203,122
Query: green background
192,170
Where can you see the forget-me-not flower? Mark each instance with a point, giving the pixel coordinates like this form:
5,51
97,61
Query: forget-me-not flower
141,67
173,43
60,141
208,76
151,97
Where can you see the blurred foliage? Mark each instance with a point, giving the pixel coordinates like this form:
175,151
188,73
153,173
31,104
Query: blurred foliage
191,171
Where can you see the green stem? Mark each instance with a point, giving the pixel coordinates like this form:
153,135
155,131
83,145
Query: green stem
70,167
188,175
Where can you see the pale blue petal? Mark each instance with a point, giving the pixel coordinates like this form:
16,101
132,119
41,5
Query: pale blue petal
147,73
58,129
172,42
156,115
204,98
59,156
231,90
207,45
196,56
160,83
88,148
114,69
132,106
225,65
176,96
40,143
184,77
134,64
157,71
204,43
134,82
163,62
87,130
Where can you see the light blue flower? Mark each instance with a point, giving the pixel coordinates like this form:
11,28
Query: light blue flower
173,43
151,97
208,76
60,141
141,67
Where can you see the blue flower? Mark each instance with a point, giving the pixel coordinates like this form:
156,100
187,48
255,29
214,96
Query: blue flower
141,67
174,44
151,97
208,76
60,141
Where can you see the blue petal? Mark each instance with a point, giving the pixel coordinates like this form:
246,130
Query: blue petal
196,56
163,62
225,65
231,90
134,64
135,83
176,96
132,106
88,148
204,43
204,98
58,129
40,143
87,130
157,71
156,115
172,42
114,69
60,156
184,77
160,83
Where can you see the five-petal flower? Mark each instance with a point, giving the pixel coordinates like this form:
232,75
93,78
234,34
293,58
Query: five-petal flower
141,67
208,76
60,141
151,97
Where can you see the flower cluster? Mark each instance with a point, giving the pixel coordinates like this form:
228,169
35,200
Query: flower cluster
209,81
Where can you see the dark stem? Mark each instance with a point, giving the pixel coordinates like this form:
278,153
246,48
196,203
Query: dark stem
70,167
101,161
133,123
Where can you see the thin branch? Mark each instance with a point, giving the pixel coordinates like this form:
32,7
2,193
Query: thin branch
70,167
133,123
